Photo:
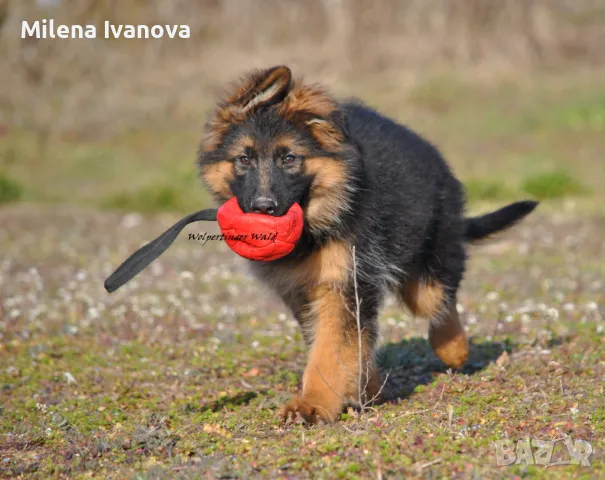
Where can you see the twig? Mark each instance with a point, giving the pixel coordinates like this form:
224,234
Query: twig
416,412
361,391
430,464
377,394
358,317
361,388
347,428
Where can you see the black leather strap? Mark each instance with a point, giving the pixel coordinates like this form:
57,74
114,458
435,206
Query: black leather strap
147,254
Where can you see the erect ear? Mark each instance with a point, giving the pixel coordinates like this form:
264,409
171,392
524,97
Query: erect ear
266,87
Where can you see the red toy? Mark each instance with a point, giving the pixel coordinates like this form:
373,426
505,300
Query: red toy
256,236
251,235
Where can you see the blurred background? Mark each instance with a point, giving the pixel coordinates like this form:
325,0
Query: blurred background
512,91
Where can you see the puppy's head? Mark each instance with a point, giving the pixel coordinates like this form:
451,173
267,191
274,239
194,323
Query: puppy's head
272,142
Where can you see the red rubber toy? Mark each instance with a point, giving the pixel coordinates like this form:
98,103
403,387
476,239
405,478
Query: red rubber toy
251,235
256,236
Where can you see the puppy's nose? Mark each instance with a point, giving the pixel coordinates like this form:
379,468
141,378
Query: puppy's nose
264,205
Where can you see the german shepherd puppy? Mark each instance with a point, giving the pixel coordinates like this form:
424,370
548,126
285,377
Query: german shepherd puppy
363,181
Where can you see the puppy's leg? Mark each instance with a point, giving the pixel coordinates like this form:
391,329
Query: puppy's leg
448,339
446,333
332,375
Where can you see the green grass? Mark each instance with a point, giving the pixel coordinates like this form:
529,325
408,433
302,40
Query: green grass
556,184
152,198
10,190
184,377
144,171
482,190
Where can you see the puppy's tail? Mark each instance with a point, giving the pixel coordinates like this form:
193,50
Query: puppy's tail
477,228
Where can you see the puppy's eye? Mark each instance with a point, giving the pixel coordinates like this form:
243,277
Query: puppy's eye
244,160
289,159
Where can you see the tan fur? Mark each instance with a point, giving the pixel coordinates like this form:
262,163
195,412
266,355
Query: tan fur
239,146
241,98
332,370
332,373
333,262
448,339
329,196
315,102
423,299
255,83
261,87
290,143
313,99
217,176
277,80
216,129
326,133
329,265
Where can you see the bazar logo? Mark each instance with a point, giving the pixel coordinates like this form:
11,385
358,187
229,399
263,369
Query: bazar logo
563,451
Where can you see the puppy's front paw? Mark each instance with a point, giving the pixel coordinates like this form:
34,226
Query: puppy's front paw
300,410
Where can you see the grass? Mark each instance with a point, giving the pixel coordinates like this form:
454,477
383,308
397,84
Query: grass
498,136
556,184
153,198
10,190
139,171
480,190
180,373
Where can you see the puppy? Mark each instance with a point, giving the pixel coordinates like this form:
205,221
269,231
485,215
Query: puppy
383,213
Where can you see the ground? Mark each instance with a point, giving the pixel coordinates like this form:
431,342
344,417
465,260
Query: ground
180,373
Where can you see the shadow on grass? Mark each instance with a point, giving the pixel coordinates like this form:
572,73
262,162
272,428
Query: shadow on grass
409,363
412,362
223,402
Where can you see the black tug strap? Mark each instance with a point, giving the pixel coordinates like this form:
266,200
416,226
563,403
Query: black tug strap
147,254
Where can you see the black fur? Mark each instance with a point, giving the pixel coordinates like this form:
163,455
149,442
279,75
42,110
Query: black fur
477,228
406,216
407,213
403,208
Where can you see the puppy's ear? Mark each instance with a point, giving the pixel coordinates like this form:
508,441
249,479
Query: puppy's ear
330,134
258,88
265,87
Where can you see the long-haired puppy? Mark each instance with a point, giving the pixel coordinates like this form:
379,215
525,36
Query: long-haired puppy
363,181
